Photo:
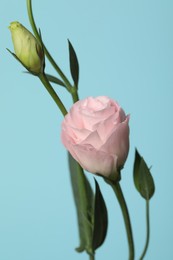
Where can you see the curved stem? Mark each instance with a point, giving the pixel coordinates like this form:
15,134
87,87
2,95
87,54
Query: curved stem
53,94
147,230
119,194
50,58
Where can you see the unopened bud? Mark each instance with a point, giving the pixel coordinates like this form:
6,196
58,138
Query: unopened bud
27,48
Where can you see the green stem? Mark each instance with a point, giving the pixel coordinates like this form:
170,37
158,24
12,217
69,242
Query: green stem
50,58
91,257
53,94
74,94
147,230
119,194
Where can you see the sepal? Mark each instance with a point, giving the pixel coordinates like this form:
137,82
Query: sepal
14,55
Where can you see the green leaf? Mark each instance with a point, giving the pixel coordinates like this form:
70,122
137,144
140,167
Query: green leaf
100,219
84,201
74,65
51,79
55,80
143,179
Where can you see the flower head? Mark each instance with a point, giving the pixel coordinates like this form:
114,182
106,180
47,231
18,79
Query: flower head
96,133
27,48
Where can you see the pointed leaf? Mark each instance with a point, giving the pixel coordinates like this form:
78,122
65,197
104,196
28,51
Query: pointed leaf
143,179
100,219
136,169
55,80
74,65
84,200
50,78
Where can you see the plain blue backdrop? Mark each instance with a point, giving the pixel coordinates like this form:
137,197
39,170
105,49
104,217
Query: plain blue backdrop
125,50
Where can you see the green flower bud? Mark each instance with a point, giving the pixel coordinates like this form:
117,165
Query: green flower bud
27,48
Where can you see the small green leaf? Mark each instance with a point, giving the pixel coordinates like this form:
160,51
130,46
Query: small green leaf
84,201
74,65
143,179
100,219
136,169
51,79
55,80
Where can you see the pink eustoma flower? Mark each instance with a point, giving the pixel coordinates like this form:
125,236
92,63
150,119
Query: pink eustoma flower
96,133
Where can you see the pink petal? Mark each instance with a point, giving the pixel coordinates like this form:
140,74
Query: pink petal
93,139
94,161
118,142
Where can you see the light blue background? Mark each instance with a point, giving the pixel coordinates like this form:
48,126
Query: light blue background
125,50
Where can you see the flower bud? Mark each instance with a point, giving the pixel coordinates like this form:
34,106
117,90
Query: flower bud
27,48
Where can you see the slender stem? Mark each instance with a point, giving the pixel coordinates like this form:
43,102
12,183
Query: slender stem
53,94
74,94
50,58
117,189
147,230
91,257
